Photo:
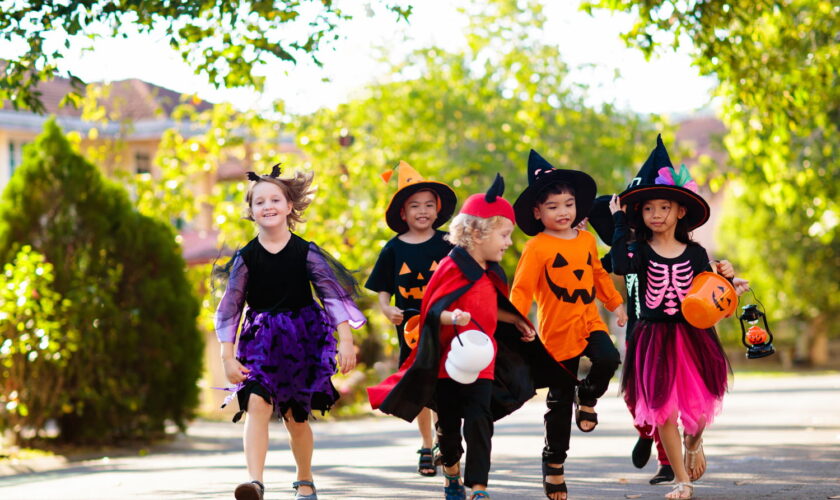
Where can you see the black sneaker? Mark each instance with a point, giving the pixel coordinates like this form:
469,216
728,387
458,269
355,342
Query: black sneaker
665,474
641,452
249,491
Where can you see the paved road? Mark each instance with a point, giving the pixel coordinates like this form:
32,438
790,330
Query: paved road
777,438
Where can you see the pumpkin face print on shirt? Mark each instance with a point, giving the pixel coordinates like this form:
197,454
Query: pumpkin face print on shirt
576,276
411,283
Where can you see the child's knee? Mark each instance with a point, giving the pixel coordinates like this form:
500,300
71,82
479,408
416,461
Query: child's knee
258,407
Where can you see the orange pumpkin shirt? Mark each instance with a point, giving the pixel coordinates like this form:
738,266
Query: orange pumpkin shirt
564,277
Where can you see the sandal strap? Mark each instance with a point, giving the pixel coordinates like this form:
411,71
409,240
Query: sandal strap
549,470
304,482
680,487
262,486
696,449
479,494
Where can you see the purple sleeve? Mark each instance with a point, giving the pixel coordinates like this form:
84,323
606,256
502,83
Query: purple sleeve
230,307
337,300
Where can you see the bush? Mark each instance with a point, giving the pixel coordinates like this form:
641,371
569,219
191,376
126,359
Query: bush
134,352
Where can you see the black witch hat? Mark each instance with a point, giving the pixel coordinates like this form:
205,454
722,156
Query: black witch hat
658,179
542,174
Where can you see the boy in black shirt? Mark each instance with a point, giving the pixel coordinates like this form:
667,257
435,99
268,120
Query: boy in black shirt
407,262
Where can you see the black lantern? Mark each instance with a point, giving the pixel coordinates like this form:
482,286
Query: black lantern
757,340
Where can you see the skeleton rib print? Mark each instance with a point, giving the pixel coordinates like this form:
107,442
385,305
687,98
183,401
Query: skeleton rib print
666,283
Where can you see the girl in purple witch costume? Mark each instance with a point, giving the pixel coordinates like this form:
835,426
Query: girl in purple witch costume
287,350
673,371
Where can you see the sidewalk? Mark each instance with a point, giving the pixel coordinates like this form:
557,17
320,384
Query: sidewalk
777,437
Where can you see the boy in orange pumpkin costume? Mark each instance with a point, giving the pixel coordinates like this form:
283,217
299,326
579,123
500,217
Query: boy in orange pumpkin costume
406,263
560,269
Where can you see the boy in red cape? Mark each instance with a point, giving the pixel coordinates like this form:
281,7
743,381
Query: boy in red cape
470,288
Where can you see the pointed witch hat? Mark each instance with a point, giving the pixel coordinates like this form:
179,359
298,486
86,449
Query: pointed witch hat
658,179
542,174
409,181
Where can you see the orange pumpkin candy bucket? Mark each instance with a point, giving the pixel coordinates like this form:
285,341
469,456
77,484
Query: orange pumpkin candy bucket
411,331
710,299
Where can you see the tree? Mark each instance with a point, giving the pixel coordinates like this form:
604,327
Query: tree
130,350
223,40
776,62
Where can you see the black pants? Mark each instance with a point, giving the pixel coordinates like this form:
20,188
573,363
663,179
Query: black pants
558,419
470,403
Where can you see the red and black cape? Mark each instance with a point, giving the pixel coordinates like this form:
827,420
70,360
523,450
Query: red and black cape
521,367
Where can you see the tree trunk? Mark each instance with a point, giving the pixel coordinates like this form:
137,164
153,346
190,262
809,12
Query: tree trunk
818,349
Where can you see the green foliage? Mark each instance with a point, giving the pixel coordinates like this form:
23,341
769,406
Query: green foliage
131,352
35,348
460,118
223,40
776,62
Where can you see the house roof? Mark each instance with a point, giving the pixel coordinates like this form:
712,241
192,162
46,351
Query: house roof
703,134
135,99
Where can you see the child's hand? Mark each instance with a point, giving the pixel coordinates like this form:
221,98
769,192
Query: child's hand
234,371
621,312
741,285
394,314
346,355
724,267
615,204
460,318
528,333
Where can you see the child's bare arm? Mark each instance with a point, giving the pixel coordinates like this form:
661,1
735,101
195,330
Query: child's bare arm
393,313
346,349
528,333
234,371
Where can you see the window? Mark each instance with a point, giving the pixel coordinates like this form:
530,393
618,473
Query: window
142,163
15,154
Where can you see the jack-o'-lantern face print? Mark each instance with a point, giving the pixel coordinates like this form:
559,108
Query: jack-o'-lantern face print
721,299
578,277
411,283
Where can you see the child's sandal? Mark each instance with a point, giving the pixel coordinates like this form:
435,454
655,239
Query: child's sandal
426,466
454,490
691,459
581,416
311,496
479,494
550,488
680,489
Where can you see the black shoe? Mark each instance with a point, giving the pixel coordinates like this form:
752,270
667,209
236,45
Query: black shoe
641,452
249,491
665,474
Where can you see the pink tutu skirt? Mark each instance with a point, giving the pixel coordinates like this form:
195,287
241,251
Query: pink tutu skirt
675,369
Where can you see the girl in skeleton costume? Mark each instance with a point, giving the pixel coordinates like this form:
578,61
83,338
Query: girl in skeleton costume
286,352
672,370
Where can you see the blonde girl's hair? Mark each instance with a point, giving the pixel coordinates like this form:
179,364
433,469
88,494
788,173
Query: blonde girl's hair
466,230
297,190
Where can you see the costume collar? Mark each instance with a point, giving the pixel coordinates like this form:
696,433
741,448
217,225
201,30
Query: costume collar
471,269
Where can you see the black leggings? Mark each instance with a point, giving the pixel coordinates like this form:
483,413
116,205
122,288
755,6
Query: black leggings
471,403
558,419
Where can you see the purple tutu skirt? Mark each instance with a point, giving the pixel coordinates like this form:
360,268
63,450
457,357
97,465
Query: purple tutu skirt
291,356
675,369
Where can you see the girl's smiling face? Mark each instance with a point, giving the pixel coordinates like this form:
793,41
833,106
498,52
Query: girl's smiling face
661,216
420,210
269,206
